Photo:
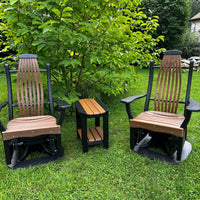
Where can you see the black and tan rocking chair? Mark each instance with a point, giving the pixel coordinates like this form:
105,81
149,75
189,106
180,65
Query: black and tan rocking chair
161,133
34,130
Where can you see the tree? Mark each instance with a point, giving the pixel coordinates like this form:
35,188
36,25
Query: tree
173,19
195,7
88,43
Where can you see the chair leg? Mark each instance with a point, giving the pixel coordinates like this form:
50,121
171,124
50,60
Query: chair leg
133,137
25,153
180,148
8,154
55,146
60,149
13,158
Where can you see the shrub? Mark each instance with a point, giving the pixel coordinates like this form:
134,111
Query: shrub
190,45
85,41
173,19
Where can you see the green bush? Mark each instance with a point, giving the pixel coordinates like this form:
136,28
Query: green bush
190,45
173,19
86,42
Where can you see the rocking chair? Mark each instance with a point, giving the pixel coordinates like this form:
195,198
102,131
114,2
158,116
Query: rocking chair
32,131
161,133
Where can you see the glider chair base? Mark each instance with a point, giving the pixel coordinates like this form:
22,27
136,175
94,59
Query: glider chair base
34,162
149,151
26,152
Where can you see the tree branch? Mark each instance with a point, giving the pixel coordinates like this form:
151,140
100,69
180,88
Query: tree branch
90,85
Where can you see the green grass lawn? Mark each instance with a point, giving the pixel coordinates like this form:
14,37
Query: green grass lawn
116,173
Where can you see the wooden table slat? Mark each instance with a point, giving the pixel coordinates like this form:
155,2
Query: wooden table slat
90,136
91,107
97,106
95,134
84,104
91,104
100,131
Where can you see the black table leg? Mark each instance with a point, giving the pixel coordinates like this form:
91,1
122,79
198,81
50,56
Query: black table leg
84,134
78,122
97,121
105,131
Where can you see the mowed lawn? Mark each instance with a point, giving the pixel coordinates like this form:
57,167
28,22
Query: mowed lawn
116,173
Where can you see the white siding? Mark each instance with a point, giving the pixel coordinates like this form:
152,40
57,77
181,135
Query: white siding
195,26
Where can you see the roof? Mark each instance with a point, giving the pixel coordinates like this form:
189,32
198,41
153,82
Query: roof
196,17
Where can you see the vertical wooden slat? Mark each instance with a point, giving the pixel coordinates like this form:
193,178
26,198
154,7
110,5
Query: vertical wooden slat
168,84
26,66
158,89
34,90
19,88
179,83
166,80
41,92
174,91
22,87
30,88
171,84
37,89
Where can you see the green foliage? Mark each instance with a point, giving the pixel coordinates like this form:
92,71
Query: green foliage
173,19
190,45
195,7
86,42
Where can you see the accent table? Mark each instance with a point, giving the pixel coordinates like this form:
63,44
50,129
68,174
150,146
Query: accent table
92,108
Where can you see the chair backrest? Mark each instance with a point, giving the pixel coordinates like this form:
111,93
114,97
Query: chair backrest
168,85
30,94
29,86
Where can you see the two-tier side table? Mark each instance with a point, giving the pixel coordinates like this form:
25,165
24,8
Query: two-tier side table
92,108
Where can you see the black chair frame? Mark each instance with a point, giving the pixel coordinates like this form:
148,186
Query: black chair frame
49,143
140,140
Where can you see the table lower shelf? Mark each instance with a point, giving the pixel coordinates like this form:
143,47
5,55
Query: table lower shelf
94,135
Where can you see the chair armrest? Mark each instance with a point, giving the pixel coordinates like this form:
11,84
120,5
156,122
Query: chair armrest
128,101
3,104
62,105
2,128
193,106
132,98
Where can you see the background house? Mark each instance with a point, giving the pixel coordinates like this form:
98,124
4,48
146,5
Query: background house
195,24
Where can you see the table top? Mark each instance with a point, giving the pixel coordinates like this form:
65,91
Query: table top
91,106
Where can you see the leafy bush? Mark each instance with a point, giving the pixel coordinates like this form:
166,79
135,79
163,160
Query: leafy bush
190,45
195,7
85,41
173,19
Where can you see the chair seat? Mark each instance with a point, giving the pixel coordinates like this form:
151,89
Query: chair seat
31,127
157,121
